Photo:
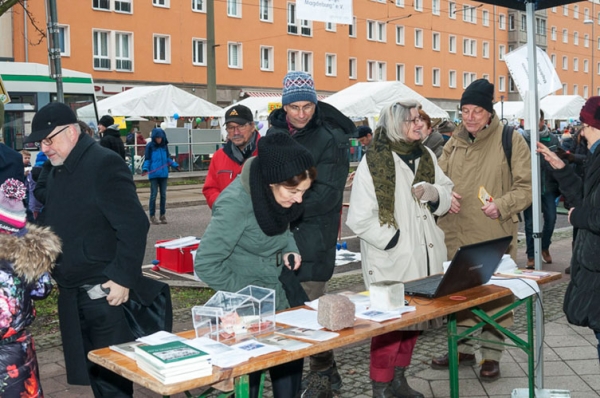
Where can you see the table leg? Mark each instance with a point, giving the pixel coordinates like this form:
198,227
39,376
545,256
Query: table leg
453,356
242,386
531,348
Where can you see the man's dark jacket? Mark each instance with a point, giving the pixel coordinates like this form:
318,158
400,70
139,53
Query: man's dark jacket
90,202
582,299
111,139
326,136
11,164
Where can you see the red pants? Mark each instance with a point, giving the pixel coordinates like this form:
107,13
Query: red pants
390,350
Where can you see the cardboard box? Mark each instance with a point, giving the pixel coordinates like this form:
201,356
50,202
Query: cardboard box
178,259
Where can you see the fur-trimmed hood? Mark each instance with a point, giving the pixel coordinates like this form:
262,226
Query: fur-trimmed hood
33,253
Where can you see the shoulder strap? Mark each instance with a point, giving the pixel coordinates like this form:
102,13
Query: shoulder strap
507,132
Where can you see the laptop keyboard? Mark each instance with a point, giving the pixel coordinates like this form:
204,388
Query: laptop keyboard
424,286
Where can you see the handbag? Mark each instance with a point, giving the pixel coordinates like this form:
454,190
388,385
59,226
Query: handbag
149,308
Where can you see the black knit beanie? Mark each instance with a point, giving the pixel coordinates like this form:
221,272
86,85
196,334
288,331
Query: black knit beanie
106,121
480,93
282,158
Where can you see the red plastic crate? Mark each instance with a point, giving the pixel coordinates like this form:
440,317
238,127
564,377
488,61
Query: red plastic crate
177,260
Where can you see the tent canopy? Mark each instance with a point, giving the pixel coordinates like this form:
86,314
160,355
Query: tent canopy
258,105
368,98
164,101
555,107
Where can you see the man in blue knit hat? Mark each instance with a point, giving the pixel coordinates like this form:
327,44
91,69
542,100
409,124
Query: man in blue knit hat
325,132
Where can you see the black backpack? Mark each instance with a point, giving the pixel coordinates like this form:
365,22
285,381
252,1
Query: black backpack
507,134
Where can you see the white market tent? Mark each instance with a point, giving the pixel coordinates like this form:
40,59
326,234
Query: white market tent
555,107
163,101
366,99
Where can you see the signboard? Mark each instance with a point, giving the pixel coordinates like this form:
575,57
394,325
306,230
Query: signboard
517,63
335,11
271,106
4,97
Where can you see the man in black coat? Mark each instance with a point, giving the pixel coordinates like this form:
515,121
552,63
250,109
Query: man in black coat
90,202
325,132
111,136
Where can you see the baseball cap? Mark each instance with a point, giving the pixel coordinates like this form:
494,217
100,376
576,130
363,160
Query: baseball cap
239,114
48,118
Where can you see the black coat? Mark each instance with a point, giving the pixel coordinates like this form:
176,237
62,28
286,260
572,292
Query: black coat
111,139
582,299
11,164
326,136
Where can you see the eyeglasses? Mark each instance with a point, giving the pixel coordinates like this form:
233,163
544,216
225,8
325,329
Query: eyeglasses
231,129
48,140
306,108
416,120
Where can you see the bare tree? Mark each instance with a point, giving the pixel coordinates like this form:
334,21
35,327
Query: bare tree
6,5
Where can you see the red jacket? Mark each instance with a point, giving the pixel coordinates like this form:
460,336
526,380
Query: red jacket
222,171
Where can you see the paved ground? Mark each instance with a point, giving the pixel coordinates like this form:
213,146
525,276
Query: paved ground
570,355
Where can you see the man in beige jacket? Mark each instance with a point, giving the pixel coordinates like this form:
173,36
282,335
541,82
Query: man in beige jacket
474,158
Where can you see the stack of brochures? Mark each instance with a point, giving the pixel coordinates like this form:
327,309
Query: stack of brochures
173,362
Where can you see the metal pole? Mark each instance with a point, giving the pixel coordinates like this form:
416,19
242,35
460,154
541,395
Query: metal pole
54,50
211,69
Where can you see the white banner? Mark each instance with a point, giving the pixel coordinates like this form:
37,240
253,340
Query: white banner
517,63
335,11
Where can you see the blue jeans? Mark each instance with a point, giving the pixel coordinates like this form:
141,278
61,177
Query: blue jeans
155,185
549,216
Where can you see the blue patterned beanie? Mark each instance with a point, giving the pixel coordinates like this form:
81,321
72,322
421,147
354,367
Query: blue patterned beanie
298,86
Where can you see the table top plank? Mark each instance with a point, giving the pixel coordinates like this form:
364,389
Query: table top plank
427,309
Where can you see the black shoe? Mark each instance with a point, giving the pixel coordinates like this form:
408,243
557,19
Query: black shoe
332,374
315,385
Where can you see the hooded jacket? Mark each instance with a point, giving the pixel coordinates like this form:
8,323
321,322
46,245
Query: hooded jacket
111,139
326,136
157,158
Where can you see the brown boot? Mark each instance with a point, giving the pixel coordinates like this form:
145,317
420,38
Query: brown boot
490,370
546,256
441,362
530,263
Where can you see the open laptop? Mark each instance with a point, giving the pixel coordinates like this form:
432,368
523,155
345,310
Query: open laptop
472,265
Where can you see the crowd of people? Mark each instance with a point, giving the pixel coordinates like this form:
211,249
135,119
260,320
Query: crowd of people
276,204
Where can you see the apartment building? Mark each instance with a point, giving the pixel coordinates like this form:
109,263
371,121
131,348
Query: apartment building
436,47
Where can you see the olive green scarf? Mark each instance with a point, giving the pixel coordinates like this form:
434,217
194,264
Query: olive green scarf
381,165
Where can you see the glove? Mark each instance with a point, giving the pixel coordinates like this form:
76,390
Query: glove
144,173
425,192
561,153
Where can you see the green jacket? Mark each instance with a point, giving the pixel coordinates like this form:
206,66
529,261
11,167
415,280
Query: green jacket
235,252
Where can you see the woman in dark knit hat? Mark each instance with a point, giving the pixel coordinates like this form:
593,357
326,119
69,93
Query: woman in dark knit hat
248,241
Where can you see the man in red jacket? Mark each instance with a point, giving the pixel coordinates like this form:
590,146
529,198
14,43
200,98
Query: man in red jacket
227,162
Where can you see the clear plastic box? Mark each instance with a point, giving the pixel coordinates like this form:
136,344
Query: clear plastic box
231,315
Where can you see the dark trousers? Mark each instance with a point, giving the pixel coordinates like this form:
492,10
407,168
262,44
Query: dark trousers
285,379
103,325
157,184
549,216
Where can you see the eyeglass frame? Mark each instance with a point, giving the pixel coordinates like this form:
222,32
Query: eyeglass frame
239,127
306,108
48,140
414,120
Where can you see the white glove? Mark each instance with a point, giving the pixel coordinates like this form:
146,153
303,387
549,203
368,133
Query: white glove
425,192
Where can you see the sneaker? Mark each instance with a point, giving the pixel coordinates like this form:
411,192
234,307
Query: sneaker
163,219
315,385
153,220
332,374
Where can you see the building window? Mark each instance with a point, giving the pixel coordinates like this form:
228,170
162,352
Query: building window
575,64
234,55
419,75
330,65
265,10
419,38
435,77
399,35
330,27
586,40
523,23
470,47
576,11
381,71
585,91
469,14
435,41
575,89
123,53
161,3
400,73
199,52
502,22
435,7
576,38
162,49
451,10
586,14
305,27
540,25
352,28
292,22
501,52
452,79
485,18
376,31
565,36
553,33
352,68
564,89
64,40
299,61
376,71
123,6
553,60
399,3
485,50
501,84
452,44
101,50
466,79
266,58
101,5
586,66
565,10
511,22
418,5
565,63
234,9
198,6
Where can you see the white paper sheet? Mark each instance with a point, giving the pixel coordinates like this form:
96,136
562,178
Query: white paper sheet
160,337
521,287
301,318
